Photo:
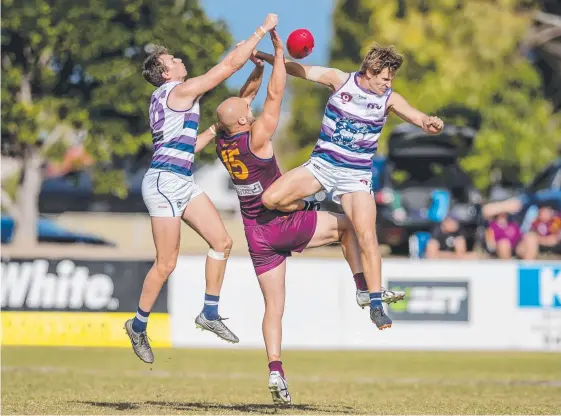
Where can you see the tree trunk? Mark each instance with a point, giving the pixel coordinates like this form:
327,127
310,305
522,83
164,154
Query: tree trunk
9,167
28,200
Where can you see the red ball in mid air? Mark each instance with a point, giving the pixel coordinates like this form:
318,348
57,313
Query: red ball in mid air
300,43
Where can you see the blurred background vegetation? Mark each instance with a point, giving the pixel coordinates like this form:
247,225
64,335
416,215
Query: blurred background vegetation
71,77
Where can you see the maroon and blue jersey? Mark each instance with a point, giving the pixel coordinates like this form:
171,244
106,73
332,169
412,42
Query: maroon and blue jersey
250,174
271,235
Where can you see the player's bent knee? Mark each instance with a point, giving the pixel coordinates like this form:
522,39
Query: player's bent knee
270,200
221,251
343,223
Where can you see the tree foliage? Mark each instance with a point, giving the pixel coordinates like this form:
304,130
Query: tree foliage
83,61
71,72
462,60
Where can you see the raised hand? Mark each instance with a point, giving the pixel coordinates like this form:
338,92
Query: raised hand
271,21
257,61
277,41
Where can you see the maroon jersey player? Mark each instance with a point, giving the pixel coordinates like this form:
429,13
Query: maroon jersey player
244,147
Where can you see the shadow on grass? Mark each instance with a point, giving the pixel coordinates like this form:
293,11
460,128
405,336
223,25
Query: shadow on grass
222,408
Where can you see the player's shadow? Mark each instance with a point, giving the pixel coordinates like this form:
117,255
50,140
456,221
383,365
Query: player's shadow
248,407
223,408
114,405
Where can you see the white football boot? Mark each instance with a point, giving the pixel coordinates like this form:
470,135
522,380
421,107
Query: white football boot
279,388
388,296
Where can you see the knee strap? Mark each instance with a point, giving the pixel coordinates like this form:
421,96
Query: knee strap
217,255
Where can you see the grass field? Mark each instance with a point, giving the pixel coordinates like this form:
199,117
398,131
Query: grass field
113,381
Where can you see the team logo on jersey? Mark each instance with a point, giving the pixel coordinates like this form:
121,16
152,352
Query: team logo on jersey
346,97
373,106
347,133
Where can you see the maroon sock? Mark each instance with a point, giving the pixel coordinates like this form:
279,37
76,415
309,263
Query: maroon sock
276,366
360,281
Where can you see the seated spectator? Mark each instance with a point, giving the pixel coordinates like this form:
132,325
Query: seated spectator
545,232
504,238
447,241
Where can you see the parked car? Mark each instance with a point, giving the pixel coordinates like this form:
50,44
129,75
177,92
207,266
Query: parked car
547,179
74,192
48,231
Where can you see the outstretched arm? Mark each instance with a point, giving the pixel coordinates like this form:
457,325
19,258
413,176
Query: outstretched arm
206,137
253,83
248,92
187,92
265,126
330,77
429,124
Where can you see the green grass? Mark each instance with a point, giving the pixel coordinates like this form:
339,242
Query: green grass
114,381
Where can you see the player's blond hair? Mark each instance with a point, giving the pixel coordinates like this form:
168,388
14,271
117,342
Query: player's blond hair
379,57
153,68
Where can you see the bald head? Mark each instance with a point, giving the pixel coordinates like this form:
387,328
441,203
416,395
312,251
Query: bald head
234,114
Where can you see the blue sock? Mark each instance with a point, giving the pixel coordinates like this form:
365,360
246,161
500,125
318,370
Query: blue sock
140,321
375,299
210,309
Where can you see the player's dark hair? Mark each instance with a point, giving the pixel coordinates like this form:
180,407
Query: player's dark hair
379,57
153,68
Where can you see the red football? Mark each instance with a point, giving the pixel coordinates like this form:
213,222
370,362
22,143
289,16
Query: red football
300,43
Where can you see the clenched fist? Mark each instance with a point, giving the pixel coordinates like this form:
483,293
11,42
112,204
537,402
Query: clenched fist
433,125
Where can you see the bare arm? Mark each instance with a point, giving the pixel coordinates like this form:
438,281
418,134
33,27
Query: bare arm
206,137
433,249
398,104
253,83
549,240
460,245
186,93
330,77
265,126
248,92
510,206
490,238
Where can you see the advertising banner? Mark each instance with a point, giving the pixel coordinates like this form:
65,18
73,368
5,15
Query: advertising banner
75,302
449,305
